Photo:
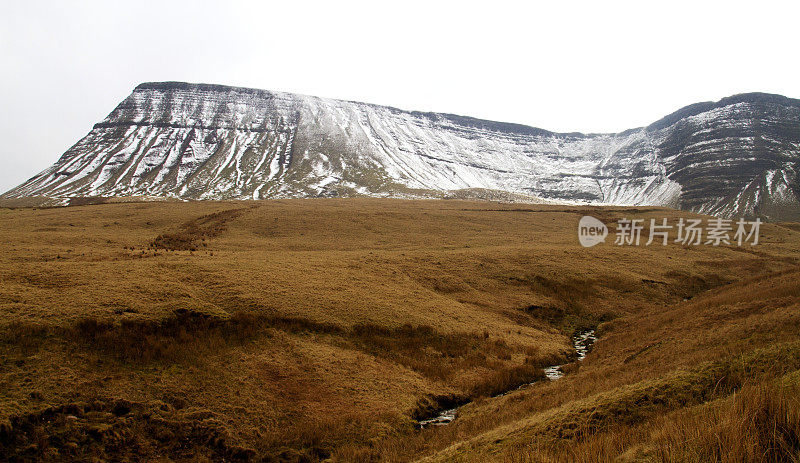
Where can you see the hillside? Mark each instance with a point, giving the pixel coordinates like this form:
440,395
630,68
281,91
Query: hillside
306,330
736,157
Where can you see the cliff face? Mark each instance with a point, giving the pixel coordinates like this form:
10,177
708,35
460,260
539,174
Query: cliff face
737,157
734,157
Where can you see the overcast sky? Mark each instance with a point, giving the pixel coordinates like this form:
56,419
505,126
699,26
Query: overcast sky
564,66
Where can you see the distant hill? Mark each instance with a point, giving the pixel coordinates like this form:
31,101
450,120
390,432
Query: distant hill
735,157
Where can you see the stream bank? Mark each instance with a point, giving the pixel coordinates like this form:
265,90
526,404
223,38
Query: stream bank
581,341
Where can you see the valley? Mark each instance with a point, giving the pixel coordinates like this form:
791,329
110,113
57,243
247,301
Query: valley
325,329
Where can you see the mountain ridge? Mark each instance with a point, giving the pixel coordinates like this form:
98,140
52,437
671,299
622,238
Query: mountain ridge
688,110
734,157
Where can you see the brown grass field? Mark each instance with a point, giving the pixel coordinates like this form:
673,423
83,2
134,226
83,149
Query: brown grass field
320,329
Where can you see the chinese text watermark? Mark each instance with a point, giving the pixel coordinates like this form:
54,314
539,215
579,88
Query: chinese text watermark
690,232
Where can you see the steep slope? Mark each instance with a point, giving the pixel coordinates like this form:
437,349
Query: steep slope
197,141
736,157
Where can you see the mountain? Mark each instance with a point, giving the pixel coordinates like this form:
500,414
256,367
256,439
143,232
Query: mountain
735,157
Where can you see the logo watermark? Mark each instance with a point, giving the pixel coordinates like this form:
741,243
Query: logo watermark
591,231
690,232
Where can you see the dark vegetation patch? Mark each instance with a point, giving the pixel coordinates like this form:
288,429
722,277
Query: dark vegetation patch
641,351
434,355
793,226
431,405
570,320
438,356
507,379
688,285
116,430
180,333
566,303
570,313
193,233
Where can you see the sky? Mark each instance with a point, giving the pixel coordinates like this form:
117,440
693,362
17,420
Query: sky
583,66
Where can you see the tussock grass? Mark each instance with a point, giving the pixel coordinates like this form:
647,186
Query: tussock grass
759,423
629,405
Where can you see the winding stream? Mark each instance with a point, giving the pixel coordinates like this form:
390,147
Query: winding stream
582,342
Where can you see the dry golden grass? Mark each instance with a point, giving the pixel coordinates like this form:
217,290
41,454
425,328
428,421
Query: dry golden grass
301,330
758,423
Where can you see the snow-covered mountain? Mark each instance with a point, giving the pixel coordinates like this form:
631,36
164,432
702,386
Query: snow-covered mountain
738,156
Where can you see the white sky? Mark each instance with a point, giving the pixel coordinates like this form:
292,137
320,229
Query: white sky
560,65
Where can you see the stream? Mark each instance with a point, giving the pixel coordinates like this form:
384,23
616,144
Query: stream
582,342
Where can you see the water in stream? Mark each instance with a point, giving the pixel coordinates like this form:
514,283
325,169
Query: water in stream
582,342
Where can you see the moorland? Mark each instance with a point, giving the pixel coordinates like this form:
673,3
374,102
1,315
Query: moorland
324,329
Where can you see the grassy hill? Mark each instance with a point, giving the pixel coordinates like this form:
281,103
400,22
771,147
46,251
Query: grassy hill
306,330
